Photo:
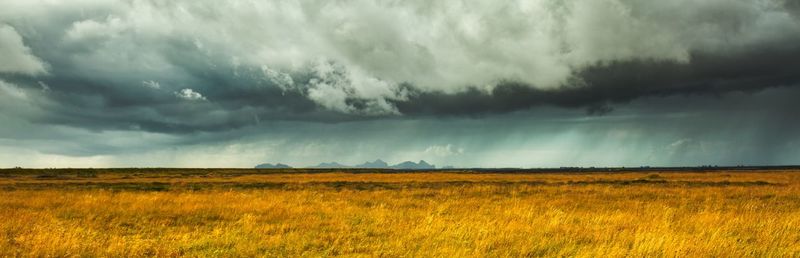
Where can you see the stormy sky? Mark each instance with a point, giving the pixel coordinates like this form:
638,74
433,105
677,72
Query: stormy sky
539,83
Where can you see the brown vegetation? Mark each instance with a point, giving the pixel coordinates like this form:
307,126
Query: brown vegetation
240,213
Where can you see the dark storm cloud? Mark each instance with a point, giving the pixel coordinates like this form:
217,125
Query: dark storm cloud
793,7
596,88
202,66
108,97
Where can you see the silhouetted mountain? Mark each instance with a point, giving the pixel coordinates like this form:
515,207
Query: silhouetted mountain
411,165
269,165
375,164
330,165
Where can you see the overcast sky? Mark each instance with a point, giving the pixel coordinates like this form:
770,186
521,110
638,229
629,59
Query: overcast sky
540,83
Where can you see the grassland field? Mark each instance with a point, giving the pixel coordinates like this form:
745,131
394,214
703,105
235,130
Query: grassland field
367,213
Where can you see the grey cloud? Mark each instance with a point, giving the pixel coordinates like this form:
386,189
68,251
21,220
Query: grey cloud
322,61
738,129
15,56
793,7
599,87
11,91
152,84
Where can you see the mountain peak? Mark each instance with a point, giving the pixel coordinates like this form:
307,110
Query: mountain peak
270,165
411,165
378,163
333,164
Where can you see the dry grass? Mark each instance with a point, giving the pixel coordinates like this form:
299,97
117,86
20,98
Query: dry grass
728,214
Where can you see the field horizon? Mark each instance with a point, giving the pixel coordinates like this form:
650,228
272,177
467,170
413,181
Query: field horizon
249,212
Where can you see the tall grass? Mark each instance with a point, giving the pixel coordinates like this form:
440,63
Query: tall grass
452,215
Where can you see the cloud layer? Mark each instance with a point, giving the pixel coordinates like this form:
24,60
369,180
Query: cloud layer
367,58
184,68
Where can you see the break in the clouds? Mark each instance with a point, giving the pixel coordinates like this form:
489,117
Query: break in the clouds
210,72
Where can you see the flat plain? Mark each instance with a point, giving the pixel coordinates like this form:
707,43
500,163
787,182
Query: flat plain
458,213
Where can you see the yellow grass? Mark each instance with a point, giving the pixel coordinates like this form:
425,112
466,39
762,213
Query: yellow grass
721,214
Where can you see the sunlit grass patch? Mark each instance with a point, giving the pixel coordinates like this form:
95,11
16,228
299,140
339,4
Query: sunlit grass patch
411,215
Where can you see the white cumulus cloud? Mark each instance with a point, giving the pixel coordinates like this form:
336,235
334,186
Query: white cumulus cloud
189,94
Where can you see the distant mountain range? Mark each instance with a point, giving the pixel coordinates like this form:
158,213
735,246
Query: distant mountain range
379,164
277,165
411,165
374,164
330,165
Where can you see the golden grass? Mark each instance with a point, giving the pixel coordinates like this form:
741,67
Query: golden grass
722,214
